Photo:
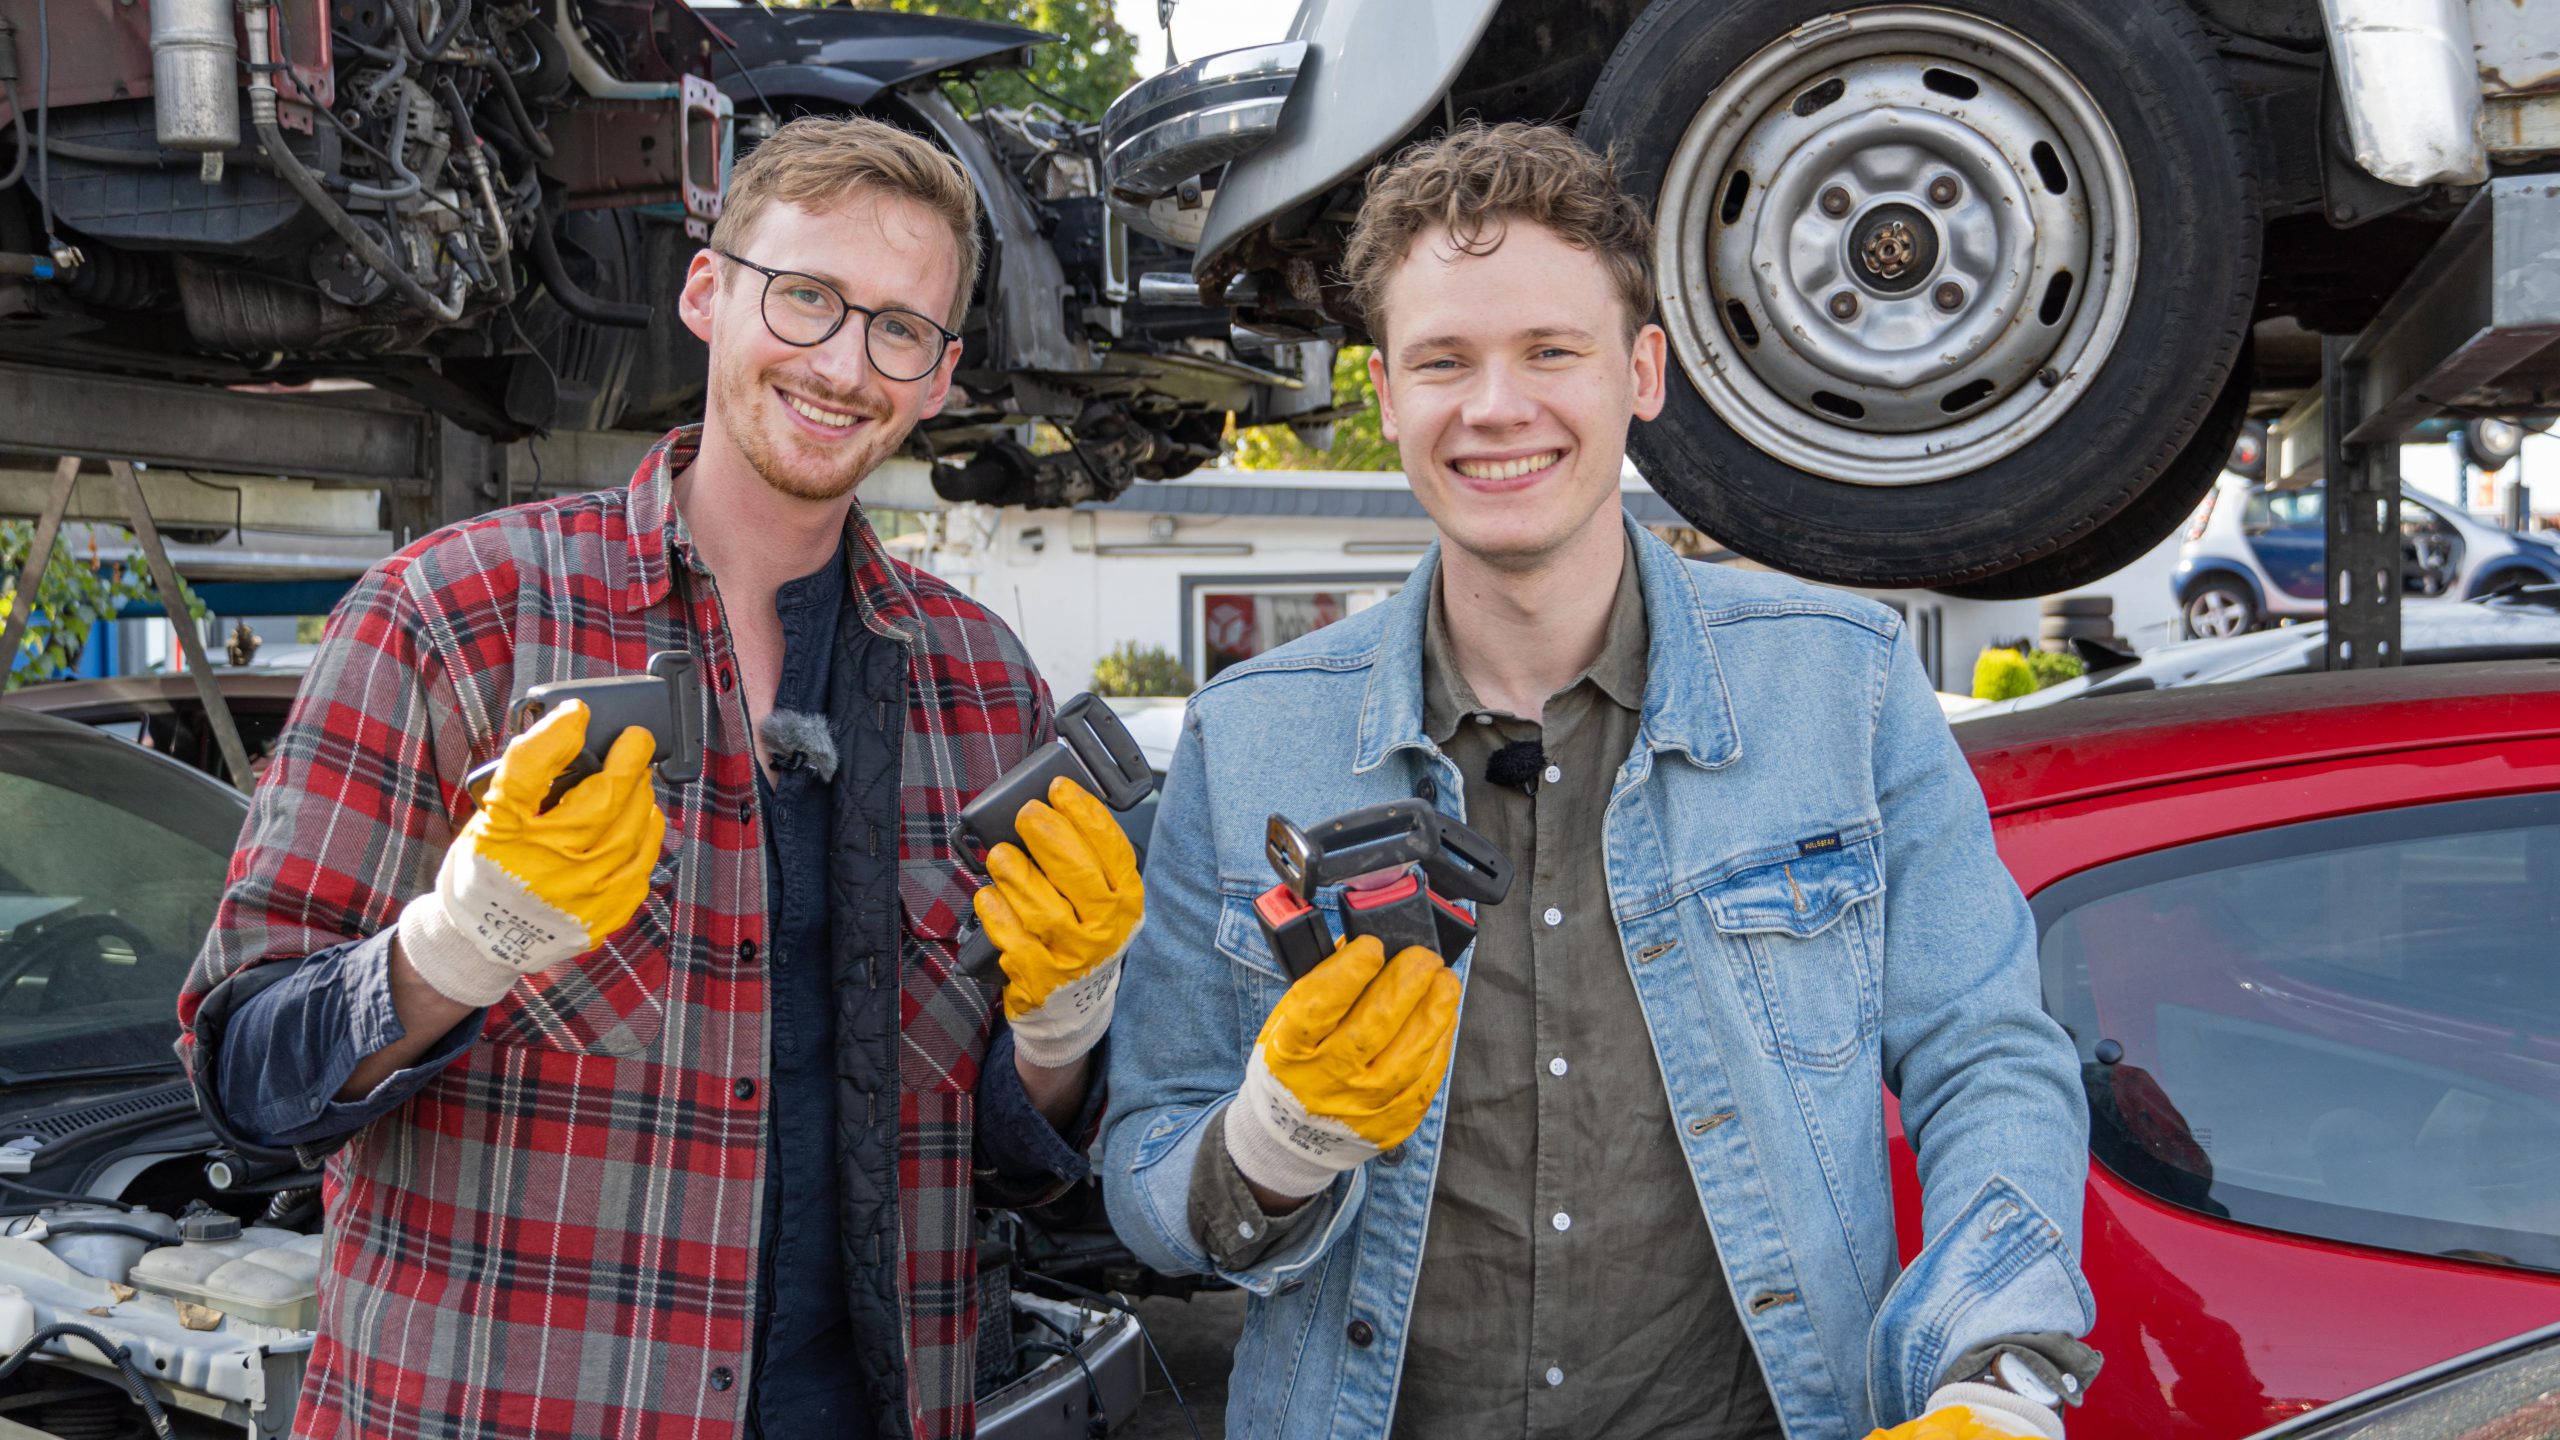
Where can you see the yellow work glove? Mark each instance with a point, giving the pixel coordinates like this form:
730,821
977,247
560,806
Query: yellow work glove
1062,917
521,891
1972,1411
1345,1066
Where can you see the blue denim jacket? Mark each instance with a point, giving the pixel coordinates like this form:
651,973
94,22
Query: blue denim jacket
1806,893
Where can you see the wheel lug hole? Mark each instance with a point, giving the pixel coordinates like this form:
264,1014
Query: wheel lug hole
1950,296
1944,191
1835,202
1844,306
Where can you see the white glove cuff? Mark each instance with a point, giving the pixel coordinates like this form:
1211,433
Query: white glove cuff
1067,1025
1995,1406
1277,1145
447,958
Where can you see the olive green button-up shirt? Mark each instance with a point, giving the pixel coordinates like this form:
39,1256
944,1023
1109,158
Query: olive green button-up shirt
1570,1284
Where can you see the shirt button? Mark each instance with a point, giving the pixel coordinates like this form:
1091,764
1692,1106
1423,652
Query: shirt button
1554,773
1360,1333
1553,916
1562,1222
721,1379
726,680
1555,1377
746,952
1483,719
745,1089
1556,1066
746,812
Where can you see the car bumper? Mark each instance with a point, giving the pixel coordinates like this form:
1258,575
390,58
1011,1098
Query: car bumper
1060,1397
1187,121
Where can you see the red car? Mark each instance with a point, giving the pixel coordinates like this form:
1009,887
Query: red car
2305,932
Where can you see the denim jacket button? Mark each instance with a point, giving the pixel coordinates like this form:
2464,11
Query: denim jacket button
1361,1334
1394,1156
1426,789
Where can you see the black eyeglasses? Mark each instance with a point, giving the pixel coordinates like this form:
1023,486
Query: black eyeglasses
804,310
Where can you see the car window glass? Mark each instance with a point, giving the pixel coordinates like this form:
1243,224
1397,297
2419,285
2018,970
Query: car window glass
2256,515
2348,1030
111,864
2296,510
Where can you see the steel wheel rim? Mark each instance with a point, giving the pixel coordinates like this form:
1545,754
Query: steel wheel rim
2215,614
1942,383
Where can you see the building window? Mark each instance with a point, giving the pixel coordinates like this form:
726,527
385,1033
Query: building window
2347,1029
1238,620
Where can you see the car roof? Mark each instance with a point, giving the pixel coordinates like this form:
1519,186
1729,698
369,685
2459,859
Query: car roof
2108,743
18,727
123,695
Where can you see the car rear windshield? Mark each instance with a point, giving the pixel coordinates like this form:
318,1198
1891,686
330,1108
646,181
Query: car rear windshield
2347,1029
111,864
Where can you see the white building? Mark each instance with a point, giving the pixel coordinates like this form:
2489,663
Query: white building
1225,564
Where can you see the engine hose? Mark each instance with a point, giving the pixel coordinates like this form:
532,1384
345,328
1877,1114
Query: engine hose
405,14
409,184
564,291
443,40
107,1227
135,1382
534,139
262,114
147,159
17,127
503,245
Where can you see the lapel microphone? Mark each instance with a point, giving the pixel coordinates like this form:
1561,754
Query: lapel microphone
1518,764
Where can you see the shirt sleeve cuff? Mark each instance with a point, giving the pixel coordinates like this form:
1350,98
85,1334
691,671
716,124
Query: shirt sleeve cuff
291,1048
1015,1138
1226,1219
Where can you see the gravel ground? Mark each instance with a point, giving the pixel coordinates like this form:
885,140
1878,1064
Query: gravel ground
1196,1336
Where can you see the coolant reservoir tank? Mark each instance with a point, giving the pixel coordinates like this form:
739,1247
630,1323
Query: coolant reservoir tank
17,1320
267,1276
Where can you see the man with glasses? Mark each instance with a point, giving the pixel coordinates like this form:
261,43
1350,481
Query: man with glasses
663,1108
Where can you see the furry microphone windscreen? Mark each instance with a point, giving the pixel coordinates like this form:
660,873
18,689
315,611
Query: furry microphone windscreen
795,738
1519,763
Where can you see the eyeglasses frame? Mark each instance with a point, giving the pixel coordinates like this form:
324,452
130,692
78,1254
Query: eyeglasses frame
950,337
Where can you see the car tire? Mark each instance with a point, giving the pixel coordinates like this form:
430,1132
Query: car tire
2215,608
2153,516
1935,480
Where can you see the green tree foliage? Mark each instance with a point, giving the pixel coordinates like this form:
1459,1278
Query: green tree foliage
76,595
1088,69
1134,670
1358,443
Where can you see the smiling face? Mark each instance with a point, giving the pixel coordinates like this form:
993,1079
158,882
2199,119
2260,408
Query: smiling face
813,421
1507,380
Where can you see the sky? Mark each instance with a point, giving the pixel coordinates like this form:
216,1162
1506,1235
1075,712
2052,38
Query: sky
1203,27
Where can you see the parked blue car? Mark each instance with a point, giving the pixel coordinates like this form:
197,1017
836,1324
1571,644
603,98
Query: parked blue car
2254,555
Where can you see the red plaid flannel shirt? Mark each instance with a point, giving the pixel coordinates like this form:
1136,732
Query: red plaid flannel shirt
557,1236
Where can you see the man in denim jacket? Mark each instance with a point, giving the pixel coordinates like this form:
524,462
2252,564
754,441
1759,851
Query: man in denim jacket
1756,890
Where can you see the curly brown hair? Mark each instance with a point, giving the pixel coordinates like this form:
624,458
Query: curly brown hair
1477,178
818,161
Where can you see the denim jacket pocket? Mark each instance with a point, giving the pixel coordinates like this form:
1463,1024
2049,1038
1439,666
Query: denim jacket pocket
610,1001
1259,983
1799,934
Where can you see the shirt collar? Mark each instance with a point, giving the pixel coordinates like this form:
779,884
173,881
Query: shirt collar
1618,670
1685,705
656,540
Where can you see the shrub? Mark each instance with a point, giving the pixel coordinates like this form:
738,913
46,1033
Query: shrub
1131,669
2000,673
2051,667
